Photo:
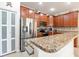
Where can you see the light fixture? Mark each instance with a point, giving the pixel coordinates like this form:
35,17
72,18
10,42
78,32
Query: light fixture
30,11
40,3
50,16
52,9
68,3
47,14
41,14
38,11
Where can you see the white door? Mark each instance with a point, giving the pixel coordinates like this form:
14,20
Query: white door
7,32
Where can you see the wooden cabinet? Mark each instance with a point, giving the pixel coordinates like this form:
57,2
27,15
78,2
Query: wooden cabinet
50,33
76,42
24,12
55,21
39,34
60,20
43,18
71,19
40,18
31,14
74,18
50,21
47,20
66,20
37,19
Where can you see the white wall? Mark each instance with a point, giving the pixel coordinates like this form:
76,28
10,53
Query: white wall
16,8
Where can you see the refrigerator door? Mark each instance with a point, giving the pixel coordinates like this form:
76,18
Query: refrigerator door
26,31
22,34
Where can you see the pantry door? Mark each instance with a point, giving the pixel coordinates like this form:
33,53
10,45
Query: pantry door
7,32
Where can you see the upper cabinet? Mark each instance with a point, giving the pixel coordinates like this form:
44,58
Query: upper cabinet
67,20
50,21
24,12
44,18
37,19
61,21
75,19
55,21
28,13
31,14
58,21
71,19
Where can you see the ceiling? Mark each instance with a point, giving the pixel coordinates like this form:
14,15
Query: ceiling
45,7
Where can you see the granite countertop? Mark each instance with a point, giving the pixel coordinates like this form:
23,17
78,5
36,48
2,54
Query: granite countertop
53,43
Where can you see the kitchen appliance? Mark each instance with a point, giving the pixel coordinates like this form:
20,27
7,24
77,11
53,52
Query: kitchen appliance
27,31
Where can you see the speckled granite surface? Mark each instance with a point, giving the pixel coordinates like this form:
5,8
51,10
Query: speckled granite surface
53,43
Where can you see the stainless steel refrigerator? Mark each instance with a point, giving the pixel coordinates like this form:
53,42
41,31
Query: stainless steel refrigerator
26,31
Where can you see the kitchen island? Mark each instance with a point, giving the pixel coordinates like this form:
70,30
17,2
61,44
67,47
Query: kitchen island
54,45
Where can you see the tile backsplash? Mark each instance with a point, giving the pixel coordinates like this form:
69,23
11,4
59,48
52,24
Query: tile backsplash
66,28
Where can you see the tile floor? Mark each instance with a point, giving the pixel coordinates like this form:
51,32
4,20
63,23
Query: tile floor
21,54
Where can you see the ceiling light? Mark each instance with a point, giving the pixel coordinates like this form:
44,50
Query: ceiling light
30,11
68,3
50,16
47,14
40,3
38,11
41,14
52,9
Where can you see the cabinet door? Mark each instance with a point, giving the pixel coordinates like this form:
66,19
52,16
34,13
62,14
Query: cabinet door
58,21
47,20
76,42
50,20
66,20
24,12
54,17
44,18
37,19
75,19
31,14
55,21
71,19
70,15
41,17
61,20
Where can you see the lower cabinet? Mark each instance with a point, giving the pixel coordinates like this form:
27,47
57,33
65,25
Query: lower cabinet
76,42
